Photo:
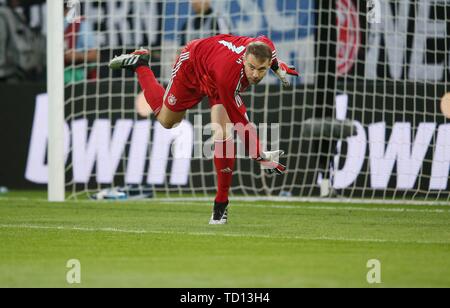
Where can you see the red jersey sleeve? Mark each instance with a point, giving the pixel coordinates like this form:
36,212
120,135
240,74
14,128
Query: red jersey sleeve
237,113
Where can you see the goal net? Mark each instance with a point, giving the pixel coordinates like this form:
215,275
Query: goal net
381,66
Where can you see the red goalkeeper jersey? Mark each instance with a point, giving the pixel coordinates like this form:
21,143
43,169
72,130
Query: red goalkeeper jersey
218,72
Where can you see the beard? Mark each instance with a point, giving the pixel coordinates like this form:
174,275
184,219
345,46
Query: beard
254,81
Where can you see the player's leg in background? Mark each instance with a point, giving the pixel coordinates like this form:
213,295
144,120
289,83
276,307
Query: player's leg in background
153,91
224,152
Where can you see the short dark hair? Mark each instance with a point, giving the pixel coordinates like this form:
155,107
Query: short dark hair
260,50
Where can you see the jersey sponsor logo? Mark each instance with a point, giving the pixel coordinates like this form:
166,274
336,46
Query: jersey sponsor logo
232,47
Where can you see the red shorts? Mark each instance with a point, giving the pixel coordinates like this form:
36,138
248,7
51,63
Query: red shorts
183,91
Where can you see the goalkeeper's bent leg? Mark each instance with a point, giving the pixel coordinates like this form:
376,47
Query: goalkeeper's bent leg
224,160
153,91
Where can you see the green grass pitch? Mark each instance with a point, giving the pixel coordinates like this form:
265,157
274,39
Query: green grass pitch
265,244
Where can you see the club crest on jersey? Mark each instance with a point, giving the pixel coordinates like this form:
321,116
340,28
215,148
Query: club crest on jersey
226,170
172,100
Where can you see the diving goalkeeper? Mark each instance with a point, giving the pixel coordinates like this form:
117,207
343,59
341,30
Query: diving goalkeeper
220,68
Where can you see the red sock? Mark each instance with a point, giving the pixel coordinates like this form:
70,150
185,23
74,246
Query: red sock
224,161
153,91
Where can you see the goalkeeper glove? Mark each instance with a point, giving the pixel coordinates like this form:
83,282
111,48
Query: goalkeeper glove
269,162
281,69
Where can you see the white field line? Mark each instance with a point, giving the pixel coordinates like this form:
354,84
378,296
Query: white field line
218,234
322,200
272,199
246,204
329,208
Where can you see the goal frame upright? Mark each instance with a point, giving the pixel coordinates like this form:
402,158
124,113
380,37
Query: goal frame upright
55,90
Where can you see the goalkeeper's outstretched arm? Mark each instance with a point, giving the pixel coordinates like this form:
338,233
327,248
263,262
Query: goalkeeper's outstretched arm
238,115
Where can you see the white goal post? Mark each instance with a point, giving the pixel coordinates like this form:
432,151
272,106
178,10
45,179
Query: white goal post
55,86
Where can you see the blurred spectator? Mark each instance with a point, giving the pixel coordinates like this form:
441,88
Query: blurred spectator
22,51
81,54
203,24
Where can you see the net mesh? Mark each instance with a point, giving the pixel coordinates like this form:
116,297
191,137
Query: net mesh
383,65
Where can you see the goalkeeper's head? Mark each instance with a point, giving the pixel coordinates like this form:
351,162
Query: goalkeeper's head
257,62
